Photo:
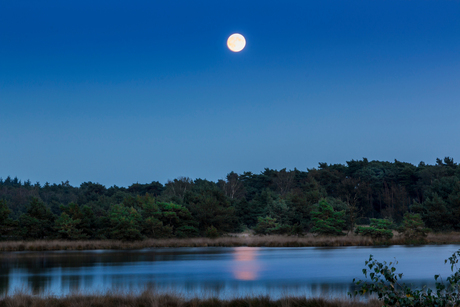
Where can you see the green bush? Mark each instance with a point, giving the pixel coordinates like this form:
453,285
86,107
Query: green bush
211,232
297,230
386,285
124,223
186,231
326,221
282,229
68,228
379,229
413,228
7,225
268,225
37,222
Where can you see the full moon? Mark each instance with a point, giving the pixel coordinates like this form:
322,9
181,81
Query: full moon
236,42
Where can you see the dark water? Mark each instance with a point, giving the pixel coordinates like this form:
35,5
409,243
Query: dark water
224,272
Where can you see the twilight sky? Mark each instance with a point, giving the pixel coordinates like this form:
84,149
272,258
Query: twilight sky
119,92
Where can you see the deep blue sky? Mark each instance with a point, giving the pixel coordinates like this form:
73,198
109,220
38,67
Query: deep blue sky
118,92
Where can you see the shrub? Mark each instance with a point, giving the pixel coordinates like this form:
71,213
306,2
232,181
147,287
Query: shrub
379,229
124,223
268,225
7,225
211,232
413,228
68,228
37,222
297,230
385,283
326,221
186,232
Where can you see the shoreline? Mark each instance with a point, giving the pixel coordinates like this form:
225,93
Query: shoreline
148,298
226,241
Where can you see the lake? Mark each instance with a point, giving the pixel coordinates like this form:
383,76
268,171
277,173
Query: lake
222,272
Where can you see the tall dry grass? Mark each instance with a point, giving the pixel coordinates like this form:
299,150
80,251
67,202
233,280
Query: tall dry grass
151,299
255,241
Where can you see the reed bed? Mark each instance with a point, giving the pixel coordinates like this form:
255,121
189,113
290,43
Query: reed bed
444,238
151,299
227,241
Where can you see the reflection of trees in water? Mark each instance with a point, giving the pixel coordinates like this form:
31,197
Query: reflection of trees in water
38,283
71,282
245,266
330,288
213,287
88,280
4,280
124,282
309,289
30,261
45,260
243,272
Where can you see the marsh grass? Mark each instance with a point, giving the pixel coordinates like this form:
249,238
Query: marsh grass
227,241
152,299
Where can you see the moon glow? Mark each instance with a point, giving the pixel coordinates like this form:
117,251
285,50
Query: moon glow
236,42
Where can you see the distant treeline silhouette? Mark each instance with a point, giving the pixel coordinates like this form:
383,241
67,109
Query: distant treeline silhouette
272,202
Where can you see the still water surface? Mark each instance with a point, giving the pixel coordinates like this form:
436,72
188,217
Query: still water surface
222,272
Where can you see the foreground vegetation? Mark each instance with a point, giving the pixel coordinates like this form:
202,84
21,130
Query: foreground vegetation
386,284
150,299
330,200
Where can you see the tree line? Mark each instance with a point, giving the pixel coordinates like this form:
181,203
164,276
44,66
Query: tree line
331,198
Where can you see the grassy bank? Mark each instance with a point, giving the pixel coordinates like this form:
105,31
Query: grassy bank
255,241
148,299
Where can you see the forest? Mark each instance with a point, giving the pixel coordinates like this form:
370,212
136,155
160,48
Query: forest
330,199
